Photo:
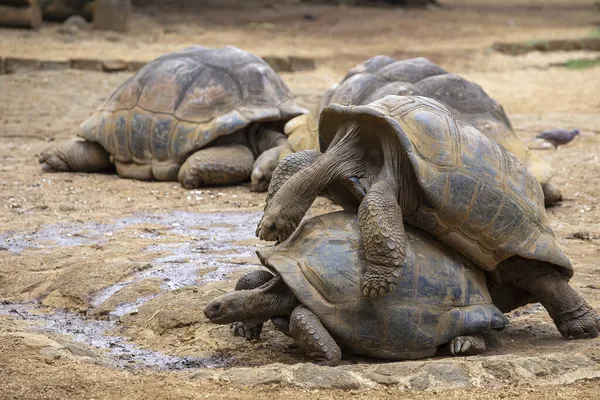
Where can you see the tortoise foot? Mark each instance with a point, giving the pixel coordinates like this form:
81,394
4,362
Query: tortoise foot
53,160
552,194
379,281
583,323
467,345
276,225
250,332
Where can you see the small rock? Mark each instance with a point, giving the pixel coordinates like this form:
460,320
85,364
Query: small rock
114,65
113,37
581,235
74,24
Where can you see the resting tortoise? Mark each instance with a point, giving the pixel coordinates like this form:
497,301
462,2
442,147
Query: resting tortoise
381,76
200,116
408,159
315,296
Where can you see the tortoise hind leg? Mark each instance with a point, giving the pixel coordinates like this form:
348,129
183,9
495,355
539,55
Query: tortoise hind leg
552,194
219,165
466,345
569,311
75,156
248,281
313,338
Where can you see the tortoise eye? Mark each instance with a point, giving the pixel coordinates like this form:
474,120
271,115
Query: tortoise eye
216,306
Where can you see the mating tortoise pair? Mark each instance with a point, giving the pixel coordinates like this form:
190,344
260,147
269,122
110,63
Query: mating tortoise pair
408,160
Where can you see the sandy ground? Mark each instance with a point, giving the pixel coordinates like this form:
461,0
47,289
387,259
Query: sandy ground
66,238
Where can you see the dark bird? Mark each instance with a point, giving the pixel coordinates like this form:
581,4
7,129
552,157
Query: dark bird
558,137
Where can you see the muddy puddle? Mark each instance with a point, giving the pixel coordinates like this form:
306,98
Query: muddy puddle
121,353
192,248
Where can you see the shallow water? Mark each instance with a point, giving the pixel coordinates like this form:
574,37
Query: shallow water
209,249
92,332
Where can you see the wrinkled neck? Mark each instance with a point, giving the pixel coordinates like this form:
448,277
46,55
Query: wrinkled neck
262,306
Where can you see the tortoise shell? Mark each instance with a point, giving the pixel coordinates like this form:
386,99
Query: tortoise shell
476,196
441,294
381,76
183,101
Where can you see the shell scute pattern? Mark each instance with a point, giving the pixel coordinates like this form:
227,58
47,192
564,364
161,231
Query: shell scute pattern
183,101
452,185
381,76
440,296
162,125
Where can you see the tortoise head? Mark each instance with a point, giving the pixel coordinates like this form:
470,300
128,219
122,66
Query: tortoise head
228,308
272,299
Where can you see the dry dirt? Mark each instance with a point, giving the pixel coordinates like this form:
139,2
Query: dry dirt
138,260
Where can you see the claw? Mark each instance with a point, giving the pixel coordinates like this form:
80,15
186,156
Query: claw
456,348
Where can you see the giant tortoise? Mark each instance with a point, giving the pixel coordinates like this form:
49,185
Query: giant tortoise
316,298
201,116
381,76
409,159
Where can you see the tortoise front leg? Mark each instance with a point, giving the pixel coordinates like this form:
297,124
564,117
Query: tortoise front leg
312,337
219,165
383,237
248,281
287,168
75,156
293,199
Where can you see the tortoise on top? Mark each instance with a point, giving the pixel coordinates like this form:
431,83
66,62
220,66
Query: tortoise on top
407,158
381,76
315,297
200,116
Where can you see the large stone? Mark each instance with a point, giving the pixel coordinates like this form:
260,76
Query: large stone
268,375
447,375
312,376
14,64
50,65
87,64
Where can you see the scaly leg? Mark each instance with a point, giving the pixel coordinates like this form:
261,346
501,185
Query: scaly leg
219,165
569,311
313,338
468,345
383,237
293,199
75,156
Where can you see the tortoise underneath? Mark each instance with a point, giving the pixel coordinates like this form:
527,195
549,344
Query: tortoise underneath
199,116
316,298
